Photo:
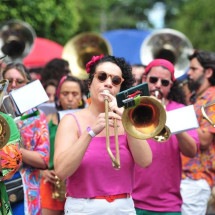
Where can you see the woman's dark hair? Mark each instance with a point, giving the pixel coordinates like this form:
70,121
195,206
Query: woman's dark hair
51,82
176,93
73,79
122,64
20,67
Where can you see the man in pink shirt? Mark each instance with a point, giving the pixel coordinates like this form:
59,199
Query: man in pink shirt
157,187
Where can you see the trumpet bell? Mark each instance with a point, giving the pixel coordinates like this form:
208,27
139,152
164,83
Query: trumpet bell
80,49
145,120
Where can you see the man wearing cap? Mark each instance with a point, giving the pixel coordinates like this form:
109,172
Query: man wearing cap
157,187
199,172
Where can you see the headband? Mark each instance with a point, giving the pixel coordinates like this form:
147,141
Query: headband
60,85
161,62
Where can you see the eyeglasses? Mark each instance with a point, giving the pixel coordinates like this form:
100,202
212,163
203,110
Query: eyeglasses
17,81
102,77
154,80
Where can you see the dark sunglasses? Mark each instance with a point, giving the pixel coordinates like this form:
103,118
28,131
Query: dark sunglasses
154,80
102,77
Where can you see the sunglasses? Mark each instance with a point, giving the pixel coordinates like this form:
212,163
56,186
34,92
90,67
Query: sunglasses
154,80
103,76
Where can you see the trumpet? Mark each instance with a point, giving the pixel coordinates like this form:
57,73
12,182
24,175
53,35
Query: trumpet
115,159
205,116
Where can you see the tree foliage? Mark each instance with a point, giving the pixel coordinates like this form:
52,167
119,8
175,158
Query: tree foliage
50,19
196,21
60,20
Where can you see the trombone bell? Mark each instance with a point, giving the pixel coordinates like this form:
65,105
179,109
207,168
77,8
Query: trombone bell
145,120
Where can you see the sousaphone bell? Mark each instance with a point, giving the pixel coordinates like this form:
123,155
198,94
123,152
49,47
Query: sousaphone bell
80,49
167,44
4,127
16,40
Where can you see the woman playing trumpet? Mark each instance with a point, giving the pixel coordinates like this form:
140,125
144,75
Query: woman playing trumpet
93,185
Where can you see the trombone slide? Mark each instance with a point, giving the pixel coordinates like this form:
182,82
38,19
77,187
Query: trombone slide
115,159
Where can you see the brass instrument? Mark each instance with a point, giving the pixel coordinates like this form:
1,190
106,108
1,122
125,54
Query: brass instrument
16,40
205,116
59,189
165,133
115,160
145,120
167,44
4,127
80,49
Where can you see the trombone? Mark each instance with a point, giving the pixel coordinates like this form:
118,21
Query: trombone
143,117
205,116
115,159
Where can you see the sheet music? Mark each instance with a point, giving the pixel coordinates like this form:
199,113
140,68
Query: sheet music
29,96
182,119
48,108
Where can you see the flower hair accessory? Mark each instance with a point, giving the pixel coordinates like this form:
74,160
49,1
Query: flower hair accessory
93,61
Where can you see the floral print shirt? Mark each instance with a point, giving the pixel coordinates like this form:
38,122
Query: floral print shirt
35,137
202,166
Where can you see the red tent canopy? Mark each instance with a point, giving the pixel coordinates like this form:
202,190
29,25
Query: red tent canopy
42,52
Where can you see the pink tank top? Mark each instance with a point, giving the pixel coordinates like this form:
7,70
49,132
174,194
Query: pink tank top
96,176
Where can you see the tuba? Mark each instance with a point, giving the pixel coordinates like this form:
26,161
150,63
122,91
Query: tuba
167,44
16,40
80,49
4,127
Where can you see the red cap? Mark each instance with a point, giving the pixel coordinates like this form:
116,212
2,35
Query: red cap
161,62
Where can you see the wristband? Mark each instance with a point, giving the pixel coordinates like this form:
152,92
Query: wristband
91,132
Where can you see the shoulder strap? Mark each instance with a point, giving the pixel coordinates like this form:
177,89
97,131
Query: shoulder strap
79,127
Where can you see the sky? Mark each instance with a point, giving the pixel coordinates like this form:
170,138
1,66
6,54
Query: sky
157,14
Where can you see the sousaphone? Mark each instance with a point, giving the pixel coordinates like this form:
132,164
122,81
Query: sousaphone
16,40
167,44
4,127
80,49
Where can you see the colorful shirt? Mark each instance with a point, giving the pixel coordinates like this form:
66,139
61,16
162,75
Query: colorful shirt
10,162
203,165
35,137
157,187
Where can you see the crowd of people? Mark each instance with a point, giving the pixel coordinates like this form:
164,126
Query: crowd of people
62,157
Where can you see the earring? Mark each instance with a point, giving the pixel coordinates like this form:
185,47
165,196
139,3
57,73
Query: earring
80,103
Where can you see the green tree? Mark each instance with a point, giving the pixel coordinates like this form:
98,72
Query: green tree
53,19
196,20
